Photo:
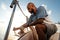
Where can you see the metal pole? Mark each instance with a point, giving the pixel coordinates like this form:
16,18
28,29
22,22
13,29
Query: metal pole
10,22
59,36
14,2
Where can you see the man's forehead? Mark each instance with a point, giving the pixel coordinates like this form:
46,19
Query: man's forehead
30,4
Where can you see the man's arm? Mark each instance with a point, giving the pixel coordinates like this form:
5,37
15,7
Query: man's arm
31,24
40,20
21,27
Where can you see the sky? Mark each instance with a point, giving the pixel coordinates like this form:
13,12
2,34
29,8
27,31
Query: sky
52,7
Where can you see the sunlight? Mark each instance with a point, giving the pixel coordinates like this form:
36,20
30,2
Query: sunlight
18,20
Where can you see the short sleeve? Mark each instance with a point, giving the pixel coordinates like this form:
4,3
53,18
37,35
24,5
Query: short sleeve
41,12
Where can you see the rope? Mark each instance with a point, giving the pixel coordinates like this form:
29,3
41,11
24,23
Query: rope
9,25
23,13
21,10
33,30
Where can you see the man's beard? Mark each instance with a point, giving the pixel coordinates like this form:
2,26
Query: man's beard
32,11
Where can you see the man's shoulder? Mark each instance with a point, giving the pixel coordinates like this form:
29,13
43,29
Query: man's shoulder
41,7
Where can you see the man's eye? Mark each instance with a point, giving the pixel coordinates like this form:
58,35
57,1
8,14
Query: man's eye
28,8
32,6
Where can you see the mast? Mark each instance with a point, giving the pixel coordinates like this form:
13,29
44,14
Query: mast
13,5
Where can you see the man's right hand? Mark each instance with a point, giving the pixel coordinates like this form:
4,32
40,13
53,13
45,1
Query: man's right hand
21,31
14,29
21,28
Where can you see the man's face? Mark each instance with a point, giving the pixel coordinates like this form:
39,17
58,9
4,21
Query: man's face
31,8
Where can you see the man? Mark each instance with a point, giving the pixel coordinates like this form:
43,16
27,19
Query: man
36,19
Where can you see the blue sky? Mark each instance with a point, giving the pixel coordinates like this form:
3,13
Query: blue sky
52,7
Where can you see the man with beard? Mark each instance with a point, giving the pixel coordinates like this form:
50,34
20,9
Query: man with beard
36,19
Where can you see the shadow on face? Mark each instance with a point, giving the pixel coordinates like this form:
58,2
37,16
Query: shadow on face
31,8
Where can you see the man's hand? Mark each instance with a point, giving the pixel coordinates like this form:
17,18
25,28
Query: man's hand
21,28
21,31
14,29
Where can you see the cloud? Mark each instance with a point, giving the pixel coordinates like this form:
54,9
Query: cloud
19,18
49,13
3,6
48,10
45,6
58,28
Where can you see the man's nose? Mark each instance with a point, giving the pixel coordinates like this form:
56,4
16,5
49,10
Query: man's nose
30,10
